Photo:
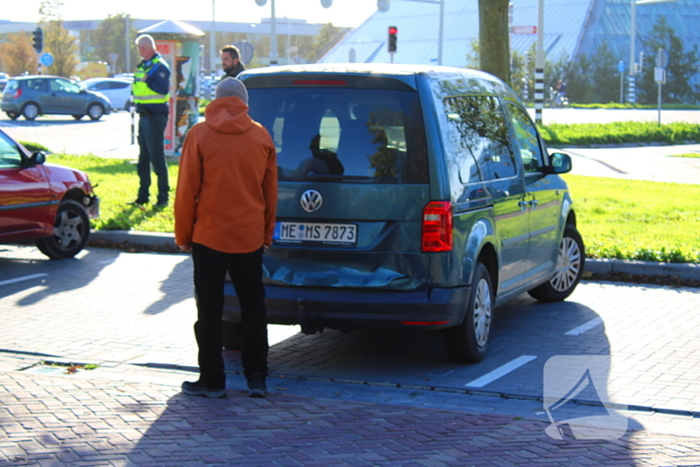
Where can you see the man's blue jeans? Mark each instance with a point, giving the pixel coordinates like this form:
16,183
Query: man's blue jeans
151,151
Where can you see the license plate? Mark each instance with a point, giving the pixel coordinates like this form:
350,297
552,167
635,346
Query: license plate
319,233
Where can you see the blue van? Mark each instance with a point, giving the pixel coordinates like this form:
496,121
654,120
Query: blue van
409,196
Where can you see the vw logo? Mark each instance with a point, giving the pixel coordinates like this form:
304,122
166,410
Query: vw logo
311,200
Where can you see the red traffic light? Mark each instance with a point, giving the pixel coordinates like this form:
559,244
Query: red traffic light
393,30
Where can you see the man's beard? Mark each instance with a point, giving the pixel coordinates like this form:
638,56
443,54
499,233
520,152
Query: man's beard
228,69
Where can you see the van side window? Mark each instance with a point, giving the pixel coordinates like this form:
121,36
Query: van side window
480,124
526,138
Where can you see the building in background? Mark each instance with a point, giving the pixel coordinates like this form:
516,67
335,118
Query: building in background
571,28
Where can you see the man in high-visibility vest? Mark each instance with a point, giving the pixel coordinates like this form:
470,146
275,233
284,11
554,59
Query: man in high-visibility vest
151,90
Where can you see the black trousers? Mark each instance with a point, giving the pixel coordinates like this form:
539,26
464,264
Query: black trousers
151,151
245,270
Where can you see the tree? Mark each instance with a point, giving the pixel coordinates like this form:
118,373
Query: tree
109,38
327,37
494,38
57,40
606,78
17,54
682,66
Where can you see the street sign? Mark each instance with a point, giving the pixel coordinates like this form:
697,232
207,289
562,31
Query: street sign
246,49
113,57
621,66
46,59
661,58
523,29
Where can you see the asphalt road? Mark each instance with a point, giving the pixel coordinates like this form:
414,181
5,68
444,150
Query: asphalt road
116,308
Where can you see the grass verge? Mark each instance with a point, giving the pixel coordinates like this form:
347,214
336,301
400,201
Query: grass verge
623,219
619,133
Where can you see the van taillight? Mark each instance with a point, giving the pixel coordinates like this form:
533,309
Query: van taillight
437,226
18,93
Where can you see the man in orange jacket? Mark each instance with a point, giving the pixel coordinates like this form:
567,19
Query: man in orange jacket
225,206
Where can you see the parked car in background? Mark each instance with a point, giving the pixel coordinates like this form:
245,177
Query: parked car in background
35,95
127,76
118,91
409,196
48,204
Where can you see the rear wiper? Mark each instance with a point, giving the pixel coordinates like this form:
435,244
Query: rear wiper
315,176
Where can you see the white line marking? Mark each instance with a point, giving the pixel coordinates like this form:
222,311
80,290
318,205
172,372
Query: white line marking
585,327
23,278
501,371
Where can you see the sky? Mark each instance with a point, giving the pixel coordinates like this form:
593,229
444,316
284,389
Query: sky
347,13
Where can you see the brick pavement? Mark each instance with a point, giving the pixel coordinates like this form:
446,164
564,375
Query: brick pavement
83,421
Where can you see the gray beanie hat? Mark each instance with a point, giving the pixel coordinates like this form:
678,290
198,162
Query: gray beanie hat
231,87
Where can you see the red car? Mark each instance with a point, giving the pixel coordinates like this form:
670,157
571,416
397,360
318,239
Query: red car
47,203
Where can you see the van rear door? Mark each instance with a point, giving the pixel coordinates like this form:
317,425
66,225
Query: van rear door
353,180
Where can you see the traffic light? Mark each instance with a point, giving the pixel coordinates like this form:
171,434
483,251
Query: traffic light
393,30
38,39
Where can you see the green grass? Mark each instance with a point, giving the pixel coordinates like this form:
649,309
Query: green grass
622,219
117,184
692,155
616,105
625,219
619,132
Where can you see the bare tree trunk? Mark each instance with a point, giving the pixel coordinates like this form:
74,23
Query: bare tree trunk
494,40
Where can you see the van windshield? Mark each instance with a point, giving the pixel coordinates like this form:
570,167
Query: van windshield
344,135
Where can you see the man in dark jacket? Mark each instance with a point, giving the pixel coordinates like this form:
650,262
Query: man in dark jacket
231,61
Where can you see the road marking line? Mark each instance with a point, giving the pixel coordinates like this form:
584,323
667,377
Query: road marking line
501,371
585,327
23,278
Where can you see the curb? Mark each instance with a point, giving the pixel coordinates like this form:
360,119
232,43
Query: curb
596,266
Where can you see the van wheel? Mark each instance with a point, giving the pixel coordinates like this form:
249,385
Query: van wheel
232,335
570,263
77,116
468,341
12,115
70,233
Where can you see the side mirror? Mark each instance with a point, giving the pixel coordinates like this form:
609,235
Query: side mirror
560,163
38,158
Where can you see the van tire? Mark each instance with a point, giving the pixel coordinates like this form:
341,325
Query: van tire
570,263
468,341
70,234
232,335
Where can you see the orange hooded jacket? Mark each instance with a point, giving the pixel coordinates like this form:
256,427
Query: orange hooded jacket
226,195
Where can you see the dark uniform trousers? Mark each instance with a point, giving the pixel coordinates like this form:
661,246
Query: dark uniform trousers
151,134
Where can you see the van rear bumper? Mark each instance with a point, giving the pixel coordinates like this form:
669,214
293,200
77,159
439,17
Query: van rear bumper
430,309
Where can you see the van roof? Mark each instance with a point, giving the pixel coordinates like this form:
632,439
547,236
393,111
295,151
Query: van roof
462,80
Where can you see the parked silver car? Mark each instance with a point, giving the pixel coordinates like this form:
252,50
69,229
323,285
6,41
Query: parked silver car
35,95
118,91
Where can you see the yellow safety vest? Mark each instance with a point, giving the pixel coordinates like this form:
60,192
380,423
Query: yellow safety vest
142,93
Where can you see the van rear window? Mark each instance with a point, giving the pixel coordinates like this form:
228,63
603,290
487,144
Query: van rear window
344,134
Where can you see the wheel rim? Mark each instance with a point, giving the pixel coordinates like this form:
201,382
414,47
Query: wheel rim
95,111
31,111
69,230
482,313
568,265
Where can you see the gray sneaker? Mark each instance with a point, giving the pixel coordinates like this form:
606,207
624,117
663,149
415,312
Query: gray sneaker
198,389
